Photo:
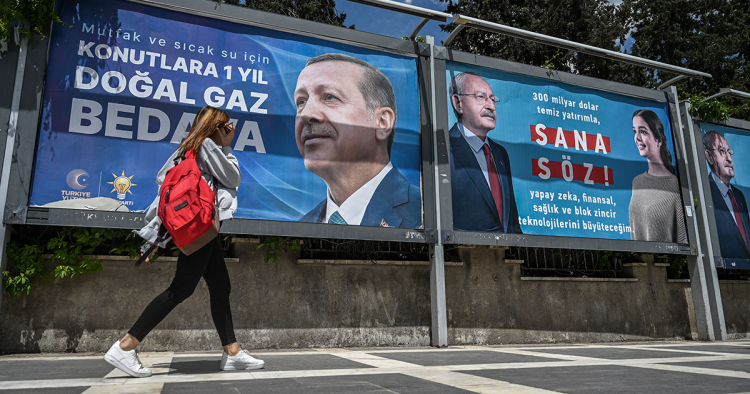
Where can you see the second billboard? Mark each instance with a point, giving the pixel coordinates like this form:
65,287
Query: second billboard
535,156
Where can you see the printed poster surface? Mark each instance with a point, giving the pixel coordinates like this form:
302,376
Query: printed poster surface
125,82
729,181
534,156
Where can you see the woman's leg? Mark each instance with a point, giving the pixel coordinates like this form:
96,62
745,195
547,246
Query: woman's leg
219,288
186,278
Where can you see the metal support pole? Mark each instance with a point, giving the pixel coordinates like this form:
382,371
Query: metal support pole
10,143
731,93
437,259
572,45
704,284
419,27
671,82
453,35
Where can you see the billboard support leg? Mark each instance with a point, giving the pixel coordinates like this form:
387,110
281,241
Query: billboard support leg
704,284
10,144
439,327
437,296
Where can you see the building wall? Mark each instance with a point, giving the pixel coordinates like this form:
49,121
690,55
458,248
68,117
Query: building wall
291,305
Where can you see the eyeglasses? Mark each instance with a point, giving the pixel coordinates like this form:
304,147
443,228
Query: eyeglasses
723,152
481,97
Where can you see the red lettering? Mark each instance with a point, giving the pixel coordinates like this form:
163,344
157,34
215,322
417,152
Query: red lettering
579,172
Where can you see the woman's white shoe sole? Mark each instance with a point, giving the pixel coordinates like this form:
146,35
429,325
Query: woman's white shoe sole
252,366
117,364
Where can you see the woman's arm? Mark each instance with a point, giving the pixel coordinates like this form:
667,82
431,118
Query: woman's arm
166,167
221,163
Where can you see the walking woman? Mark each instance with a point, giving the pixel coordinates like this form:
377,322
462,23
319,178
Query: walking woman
210,138
656,205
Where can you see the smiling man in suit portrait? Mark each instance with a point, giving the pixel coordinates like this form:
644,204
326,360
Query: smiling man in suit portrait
344,127
483,198
730,207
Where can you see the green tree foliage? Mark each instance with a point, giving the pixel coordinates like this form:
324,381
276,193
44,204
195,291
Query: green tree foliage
33,15
710,110
706,35
323,11
594,22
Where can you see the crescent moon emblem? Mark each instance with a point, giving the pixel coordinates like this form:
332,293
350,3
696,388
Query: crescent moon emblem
77,179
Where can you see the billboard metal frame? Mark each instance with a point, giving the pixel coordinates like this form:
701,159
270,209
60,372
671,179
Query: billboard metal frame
710,218
546,241
18,211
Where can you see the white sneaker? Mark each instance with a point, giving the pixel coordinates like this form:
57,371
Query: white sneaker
126,361
243,360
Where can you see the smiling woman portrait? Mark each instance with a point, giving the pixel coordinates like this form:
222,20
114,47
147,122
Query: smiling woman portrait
656,205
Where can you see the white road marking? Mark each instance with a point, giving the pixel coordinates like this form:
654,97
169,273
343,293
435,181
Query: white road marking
450,375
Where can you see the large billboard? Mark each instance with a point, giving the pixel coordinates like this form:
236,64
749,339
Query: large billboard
729,182
125,80
537,156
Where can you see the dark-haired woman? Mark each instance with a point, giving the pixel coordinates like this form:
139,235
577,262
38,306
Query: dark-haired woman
656,206
209,139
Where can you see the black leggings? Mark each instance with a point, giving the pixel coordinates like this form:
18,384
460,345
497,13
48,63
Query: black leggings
207,262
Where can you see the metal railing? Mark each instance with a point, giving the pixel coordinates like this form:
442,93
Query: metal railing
340,249
566,262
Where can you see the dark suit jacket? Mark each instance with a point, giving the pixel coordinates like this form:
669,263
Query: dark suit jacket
396,201
473,206
730,240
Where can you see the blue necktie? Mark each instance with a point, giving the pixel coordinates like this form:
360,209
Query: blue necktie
336,218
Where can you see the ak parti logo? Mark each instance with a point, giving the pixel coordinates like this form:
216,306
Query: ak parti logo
122,185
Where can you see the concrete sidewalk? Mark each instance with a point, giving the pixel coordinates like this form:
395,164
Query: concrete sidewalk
655,367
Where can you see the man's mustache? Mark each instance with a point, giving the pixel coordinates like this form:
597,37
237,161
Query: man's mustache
317,130
488,112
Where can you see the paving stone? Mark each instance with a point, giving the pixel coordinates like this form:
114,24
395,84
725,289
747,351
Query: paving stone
713,348
441,357
210,364
612,379
53,369
56,390
611,353
386,383
728,365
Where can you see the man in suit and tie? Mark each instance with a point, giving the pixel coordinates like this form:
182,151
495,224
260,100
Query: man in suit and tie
345,126
730,207
483,198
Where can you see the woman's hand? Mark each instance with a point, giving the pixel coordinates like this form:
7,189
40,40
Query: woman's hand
224,134
145,249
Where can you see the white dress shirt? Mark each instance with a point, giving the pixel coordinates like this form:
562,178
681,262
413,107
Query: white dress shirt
476,146
353,209
724,190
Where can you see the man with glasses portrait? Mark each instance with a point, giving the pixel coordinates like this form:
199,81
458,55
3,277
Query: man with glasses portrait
482,185
730,207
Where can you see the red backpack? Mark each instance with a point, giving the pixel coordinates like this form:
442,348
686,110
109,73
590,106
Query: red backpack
187,208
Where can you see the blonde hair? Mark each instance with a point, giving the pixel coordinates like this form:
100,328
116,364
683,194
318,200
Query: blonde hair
204,126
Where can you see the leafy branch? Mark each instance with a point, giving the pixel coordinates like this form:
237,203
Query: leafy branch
70,250
677,263
277,245
713,109
33,16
